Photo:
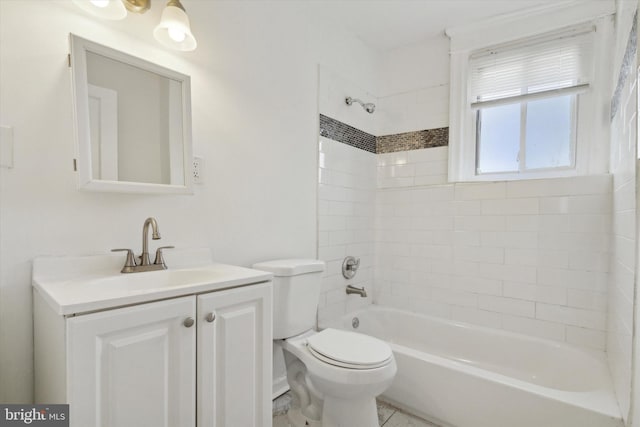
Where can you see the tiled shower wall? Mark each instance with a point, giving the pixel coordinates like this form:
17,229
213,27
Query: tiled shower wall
623,242
525,256
347,191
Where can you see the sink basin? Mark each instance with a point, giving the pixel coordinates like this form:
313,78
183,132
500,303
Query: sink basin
133,282
73,285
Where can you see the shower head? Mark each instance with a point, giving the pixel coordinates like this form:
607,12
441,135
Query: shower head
368,107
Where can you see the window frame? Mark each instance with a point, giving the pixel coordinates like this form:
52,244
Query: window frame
591,149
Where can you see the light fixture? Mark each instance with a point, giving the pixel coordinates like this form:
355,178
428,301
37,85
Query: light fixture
173,31
107,9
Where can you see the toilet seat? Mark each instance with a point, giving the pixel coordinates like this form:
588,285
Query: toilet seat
349,349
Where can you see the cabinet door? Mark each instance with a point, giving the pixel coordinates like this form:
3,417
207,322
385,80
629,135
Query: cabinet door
133,366
234,357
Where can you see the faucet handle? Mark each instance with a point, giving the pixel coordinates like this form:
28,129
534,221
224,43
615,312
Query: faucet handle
159,259
131,260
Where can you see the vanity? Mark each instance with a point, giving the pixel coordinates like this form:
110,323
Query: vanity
185,346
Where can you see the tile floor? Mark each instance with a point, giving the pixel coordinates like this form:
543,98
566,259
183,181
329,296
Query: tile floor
388,415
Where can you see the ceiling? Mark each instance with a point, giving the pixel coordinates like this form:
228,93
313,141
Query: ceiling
388,24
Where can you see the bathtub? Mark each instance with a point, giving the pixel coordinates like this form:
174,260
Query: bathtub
461,375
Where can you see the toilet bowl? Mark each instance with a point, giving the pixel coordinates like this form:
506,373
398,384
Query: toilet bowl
345,371
334,375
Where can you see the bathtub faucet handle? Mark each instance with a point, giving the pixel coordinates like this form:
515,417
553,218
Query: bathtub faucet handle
349,267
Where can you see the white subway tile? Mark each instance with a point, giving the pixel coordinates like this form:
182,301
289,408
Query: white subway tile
516,256
480,223
551,258
430,180
589,261
553,223
589,300
389,159
508,272
432,251
332,222
527,291
571,316
323,238
592,204
554,205
395,182
477,285
433,223
523,222
538,188
591,184
428,154
510,207
512,306
512,273
624,224
454,297
509,239
493,190
328,253
479,254
589,223
466,238
432,168
462,207
430,195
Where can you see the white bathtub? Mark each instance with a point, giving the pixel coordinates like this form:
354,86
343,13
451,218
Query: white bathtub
462,375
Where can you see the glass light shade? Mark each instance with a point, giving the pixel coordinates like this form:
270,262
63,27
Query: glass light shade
174,30
106,9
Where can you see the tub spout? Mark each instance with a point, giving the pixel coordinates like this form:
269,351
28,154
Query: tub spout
353,290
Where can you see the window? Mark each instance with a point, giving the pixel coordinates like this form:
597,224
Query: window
528,108
525,98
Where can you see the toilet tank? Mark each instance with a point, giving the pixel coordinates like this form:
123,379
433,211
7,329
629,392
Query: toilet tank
296,293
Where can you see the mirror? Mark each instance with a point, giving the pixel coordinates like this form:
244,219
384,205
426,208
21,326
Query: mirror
133,122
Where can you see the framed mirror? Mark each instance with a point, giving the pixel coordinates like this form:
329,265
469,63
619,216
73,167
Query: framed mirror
133,122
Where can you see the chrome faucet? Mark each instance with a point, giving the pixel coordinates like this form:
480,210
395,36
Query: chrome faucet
130,265
144,257
353,290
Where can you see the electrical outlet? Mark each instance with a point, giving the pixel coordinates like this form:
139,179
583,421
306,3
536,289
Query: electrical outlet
198,170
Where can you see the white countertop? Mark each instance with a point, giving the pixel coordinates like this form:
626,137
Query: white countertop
79,284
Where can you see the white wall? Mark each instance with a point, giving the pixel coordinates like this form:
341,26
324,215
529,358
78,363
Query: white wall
623,243
255,121
414,88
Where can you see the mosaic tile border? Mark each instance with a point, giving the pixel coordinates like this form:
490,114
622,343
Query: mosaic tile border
342,132
428,138
625,68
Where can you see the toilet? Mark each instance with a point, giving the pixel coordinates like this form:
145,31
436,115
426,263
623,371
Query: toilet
334,375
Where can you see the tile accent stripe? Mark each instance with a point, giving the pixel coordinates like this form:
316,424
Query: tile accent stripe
342,132
438,137
625,68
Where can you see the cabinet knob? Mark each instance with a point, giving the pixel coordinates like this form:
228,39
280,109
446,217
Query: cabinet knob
210,317
188,322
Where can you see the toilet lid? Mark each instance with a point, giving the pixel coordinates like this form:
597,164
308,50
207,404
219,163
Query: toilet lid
349,349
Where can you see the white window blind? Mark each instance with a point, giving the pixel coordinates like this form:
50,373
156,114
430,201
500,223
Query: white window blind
550,65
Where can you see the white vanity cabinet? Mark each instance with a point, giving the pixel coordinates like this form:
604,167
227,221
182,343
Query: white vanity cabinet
202,359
